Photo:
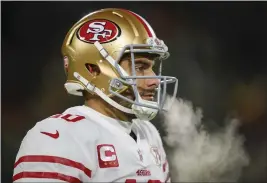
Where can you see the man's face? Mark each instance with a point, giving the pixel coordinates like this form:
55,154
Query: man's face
143,67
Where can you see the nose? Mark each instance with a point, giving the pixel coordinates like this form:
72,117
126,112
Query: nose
152,82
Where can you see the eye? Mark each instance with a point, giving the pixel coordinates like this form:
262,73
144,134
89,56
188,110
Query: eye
141,66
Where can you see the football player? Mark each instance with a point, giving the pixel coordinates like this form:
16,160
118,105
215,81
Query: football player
109,59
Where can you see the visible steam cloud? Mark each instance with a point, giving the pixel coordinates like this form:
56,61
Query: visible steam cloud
197,154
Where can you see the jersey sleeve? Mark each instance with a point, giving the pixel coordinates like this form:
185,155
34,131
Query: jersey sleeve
49,153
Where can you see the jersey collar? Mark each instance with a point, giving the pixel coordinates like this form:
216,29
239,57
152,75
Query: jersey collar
123,125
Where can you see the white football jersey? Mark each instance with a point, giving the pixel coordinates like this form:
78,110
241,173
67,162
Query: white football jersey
82,145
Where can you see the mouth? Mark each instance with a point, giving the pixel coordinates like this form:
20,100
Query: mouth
149,97
146,95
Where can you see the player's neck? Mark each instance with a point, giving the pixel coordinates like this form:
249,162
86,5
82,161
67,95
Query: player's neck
107,110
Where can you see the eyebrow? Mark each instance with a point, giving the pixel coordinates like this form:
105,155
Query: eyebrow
144,61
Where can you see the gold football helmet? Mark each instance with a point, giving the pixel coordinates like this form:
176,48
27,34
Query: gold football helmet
99,41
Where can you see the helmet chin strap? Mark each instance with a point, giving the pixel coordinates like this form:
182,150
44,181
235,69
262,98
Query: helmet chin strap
144,113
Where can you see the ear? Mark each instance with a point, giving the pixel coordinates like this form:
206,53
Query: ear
93,69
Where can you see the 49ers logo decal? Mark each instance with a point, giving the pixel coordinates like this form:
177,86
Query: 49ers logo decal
100,30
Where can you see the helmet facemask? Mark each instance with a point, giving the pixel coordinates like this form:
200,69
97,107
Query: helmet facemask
143,109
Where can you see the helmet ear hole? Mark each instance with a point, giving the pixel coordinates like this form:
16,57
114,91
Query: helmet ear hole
93,69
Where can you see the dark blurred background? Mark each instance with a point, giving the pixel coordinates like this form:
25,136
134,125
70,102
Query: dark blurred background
218,52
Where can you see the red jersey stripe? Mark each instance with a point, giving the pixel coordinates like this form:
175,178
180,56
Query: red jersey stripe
46,175
54,159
